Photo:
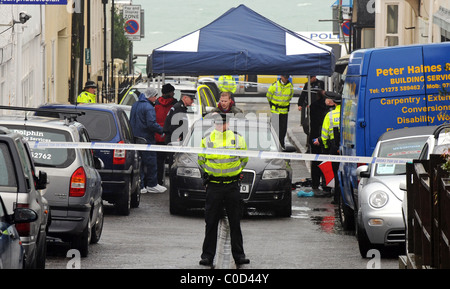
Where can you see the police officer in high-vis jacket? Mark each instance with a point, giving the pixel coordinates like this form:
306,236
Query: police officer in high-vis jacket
227,83
279,96
88,94
330,138
222,174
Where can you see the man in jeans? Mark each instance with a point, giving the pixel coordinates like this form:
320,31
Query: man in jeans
143,122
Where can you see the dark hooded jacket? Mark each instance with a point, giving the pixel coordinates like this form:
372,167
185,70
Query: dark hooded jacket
143,119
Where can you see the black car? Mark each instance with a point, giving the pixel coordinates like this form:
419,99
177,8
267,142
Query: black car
109,123
266,183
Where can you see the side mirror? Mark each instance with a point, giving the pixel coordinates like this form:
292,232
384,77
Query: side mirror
24,215
363,171
98,163
41,182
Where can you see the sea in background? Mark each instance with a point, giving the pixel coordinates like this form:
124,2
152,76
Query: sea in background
166,21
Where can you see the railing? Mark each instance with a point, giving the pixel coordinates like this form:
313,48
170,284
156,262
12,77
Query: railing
427,215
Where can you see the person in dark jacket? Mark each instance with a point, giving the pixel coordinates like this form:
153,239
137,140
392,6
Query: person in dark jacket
143,123
303,101
318,110
162,107
176,124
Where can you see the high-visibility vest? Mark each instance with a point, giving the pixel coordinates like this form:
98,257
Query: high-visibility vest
86,97
227,83
331,120
223,165
279,96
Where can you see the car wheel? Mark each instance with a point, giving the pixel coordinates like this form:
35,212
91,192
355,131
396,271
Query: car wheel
81,243
136,196
346,215
41,250
98,226
124,204
364,243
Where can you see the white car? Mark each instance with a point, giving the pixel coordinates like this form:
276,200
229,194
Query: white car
379,219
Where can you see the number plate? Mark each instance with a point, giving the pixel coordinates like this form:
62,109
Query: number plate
245,189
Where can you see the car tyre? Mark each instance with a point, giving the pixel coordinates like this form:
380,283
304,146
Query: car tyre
98,226
136,196
81,242
346,215
41,251
124,204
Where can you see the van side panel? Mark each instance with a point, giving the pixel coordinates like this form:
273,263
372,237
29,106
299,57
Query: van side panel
392,93
387,89
437,82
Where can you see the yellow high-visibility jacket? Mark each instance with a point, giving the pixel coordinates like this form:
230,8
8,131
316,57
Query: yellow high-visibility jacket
227,83
331,120
223,165
86,97
279,96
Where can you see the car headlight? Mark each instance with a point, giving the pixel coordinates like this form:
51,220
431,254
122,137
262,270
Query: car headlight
188,172
274,174
378,199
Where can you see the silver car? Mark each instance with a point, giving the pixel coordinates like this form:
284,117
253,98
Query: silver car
74,191
379,220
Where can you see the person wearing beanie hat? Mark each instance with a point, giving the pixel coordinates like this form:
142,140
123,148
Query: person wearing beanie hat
162,107
143,123
88,94
167,90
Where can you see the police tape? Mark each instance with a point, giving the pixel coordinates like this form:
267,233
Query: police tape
199,150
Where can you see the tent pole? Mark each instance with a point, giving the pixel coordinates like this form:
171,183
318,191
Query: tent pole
308,111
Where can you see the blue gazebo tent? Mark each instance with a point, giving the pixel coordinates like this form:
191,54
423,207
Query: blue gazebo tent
242,41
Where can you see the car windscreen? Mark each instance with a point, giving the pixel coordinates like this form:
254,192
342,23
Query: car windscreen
8,180
406,148
99,124
132,96
47,157
257,137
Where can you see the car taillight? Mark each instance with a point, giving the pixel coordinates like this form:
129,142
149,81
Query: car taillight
78,183
23,228
119,156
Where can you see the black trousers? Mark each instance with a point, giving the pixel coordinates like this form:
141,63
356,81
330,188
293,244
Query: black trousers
317,178
280,124
219,196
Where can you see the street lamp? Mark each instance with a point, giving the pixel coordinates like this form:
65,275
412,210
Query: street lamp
23,18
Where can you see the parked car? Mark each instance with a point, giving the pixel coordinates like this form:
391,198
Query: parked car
20,187
437,143
266,183
109,123
74,191
379,220
12,253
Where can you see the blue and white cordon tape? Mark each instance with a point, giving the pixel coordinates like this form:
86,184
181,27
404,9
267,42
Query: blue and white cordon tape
198,150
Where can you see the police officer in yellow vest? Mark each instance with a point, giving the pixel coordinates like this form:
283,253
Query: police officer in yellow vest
279,96
88,94
227,83
222,174
330,138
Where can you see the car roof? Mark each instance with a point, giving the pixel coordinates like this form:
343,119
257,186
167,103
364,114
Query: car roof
41,121
407,132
